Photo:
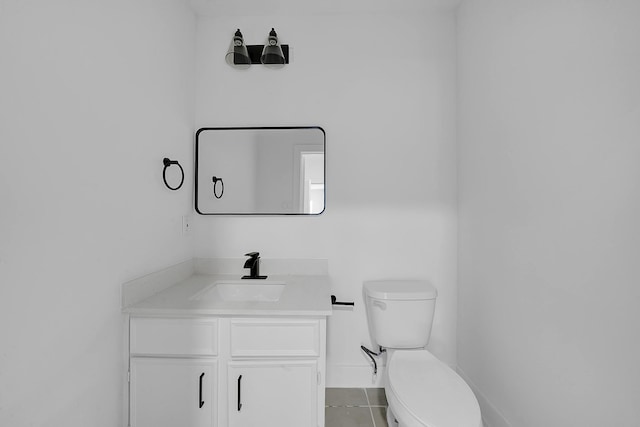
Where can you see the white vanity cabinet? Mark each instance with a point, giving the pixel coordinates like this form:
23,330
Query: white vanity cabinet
274,375
273,393
169,392
227,371
173,372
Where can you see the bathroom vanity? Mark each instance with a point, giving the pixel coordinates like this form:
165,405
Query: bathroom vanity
212,350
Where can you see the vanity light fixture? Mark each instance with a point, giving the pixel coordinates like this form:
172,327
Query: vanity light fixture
238,55
273,54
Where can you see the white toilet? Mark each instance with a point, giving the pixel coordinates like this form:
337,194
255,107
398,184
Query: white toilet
421,390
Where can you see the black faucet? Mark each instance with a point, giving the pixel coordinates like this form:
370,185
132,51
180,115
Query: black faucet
254,264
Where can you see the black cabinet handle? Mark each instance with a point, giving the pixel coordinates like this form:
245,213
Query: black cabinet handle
200,401
239,394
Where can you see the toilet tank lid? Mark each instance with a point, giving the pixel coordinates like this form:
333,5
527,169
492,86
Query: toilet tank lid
400,289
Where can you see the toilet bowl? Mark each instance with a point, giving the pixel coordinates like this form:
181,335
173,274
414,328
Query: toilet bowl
421,390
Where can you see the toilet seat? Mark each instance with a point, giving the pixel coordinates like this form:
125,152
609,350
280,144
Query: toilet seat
424,392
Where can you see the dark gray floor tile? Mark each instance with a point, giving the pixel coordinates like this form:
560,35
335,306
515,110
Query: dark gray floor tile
345,397
347,417
379,416
376,397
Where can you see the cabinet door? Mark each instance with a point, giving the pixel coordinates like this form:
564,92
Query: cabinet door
273,393
167,392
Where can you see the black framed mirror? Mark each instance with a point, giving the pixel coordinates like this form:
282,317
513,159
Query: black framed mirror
260,170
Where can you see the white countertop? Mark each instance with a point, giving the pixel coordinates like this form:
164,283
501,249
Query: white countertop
302,296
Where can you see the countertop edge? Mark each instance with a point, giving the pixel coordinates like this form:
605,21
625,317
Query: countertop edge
157,312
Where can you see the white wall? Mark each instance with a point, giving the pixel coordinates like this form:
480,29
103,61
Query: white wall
549,131
382,85
93,95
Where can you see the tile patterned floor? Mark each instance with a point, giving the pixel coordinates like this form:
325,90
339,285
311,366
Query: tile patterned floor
355,407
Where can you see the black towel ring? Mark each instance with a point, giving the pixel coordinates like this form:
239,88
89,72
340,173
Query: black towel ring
168,163
215,180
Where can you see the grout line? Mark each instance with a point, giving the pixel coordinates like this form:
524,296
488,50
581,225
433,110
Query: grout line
370,411
353,406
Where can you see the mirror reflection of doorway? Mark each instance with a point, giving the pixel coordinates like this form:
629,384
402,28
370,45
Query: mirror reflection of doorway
312,168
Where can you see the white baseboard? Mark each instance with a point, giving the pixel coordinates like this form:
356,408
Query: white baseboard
491,417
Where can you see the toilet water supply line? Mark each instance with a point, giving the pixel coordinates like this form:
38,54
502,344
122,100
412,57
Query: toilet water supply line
371,353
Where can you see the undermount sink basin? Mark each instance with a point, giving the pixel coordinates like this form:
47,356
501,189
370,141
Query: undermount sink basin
242,290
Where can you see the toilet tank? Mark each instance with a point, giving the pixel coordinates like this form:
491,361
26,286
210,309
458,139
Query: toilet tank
400,312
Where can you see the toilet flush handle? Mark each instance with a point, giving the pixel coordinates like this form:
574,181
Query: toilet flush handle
379,304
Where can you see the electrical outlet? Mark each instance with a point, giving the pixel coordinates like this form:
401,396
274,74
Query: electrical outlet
186,225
